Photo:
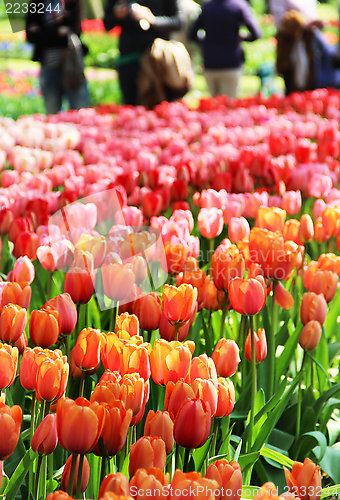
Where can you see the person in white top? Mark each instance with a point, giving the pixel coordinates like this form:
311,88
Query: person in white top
278,8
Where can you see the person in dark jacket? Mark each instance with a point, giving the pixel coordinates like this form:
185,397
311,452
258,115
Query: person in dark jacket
223,57
48,29
140,23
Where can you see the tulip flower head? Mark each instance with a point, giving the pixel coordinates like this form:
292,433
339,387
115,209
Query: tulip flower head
304,480
148,452
179,303
45,440
10,423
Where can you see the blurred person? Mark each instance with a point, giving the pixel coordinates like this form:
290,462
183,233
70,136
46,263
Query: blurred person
190,12
218,30
49,29
304,58
307,8
141,23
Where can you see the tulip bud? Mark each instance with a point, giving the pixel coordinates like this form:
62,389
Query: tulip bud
200,487
16,293
226,357
310,335
228,477
118,280
226,397
153,481
67,311
86,352
306,231
260,346
248,296
79,283
44,440
160,424
147,452
116,483
210,222
148,310
313,307
13,321
179,303
185,433
304,480
8,364
44,327
58,495
84,476
238,229
129,323
10,423
23,270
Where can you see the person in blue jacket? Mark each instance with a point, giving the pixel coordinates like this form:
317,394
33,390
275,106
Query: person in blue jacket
218,30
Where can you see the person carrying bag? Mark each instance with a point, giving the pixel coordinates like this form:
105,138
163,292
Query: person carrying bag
55,34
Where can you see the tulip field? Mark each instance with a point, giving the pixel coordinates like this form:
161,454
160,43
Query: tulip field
169,300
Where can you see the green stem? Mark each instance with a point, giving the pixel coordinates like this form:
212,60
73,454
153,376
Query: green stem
80,474
223,317
212,450
37,476
82,384
186,459
32,427
176,331
211,249
72,474
50,472
253,386
103,469
49,285
177,455
271,344
298,415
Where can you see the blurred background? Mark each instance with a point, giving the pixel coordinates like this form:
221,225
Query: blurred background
19,88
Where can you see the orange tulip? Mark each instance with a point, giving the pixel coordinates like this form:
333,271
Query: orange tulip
206,391
260,346
86,352
45,440
58,495
148,310
44,327
176,255
192,424
310,335
291,231
79,424
13,320
67,311
167,331
152,481
115,483
210,300
271,218
304,480
111,352
197,279
238,229
291,202
118,280
329,262
320,233
129,323
202,367
184,484
226,357
51,376
226,263
248,296
268,249
160,424
306,231
113,496
22,342
210,222
115,428
283,297
16,293
179,303
269,492
85,476
10,423
79,284
148,452
169,361
325,282
132,391
135,358
23,270
28,367
229,478
331,220
94,245
8,364
313,307
226,397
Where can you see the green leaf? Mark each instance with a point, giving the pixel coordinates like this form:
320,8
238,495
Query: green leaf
333,351
269,451
330,464
287,353
200,454
238,451
305,444
125,468
19,475
330,491
248,459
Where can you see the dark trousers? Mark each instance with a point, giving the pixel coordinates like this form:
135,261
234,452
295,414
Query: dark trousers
128,75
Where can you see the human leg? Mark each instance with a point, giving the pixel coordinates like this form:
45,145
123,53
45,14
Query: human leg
79,98
210,77
51,89
228,82
128,75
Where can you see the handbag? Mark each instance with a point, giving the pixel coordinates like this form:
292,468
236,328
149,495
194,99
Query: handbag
73,64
